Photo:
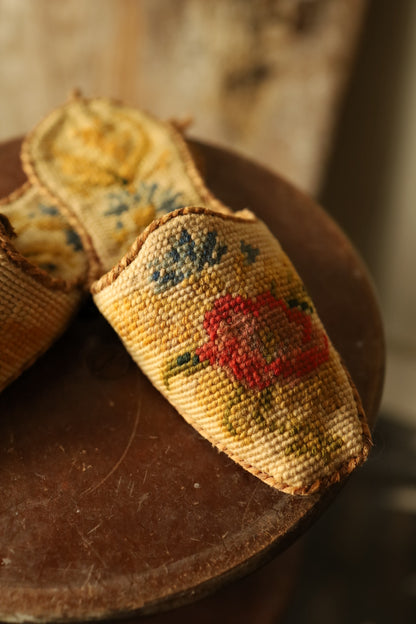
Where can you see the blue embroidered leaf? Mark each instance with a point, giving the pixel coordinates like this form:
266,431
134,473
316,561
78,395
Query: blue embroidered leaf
49,210
249,252
73,239
186,257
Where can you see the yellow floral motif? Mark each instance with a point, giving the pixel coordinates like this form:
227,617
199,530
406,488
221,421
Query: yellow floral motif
102,155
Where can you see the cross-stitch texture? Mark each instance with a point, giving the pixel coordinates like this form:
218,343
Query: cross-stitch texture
42,272
215,314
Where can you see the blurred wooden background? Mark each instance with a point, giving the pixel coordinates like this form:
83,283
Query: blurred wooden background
321,91
264,77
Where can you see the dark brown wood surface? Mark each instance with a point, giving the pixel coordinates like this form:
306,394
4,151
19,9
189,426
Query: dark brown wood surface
110,503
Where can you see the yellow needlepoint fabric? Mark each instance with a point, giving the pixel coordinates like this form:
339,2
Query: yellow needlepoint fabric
215,314
115,169
43,269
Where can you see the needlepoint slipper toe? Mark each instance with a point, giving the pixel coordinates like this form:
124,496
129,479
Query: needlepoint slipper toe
214,313
43,272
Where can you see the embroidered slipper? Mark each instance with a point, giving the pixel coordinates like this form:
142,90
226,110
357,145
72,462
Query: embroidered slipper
205,301
215,314
43,271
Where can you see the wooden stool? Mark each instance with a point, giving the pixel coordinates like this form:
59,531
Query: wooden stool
111,504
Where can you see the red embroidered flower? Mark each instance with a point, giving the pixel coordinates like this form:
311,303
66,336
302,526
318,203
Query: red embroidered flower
261,340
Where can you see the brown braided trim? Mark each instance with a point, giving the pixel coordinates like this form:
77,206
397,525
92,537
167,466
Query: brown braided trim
181,124
16,194
38,274
109,278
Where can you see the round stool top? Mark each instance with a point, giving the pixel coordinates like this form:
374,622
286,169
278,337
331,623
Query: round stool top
111,503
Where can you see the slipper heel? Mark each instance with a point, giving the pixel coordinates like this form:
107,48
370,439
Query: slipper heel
114,169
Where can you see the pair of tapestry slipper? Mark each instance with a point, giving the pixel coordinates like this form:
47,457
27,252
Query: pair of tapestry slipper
204,299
